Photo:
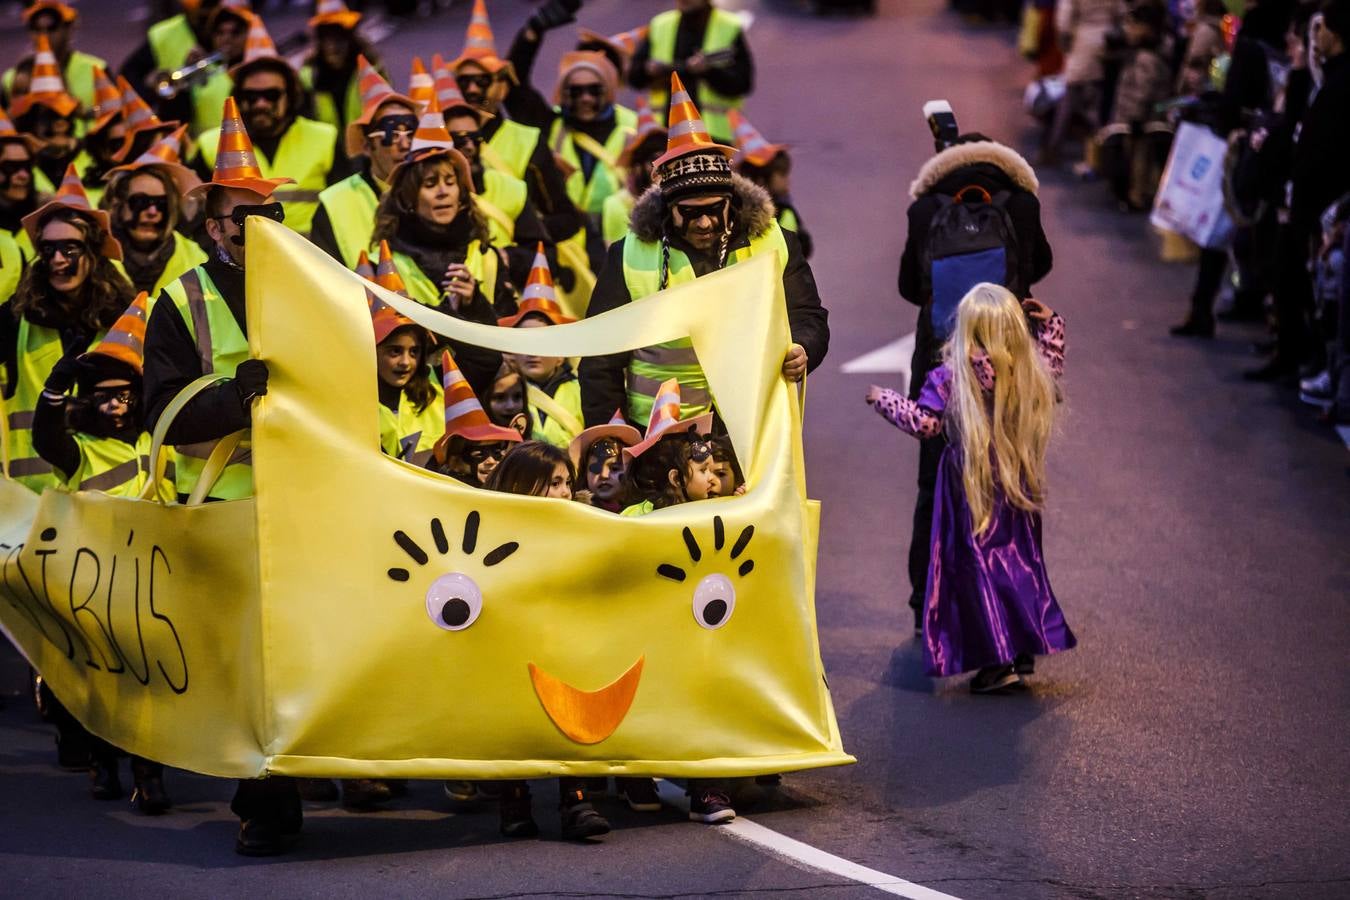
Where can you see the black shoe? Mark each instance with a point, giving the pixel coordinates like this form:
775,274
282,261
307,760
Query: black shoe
149,796
264,837
317,790
580,820
640,794
72,753
1194,328
710,806
517,819
1024,664
1275,370
995,680
364,793
105,782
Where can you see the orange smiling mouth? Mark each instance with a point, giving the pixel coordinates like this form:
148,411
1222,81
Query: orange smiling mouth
587,717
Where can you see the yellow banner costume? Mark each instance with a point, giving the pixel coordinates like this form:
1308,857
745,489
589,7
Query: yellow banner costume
363,617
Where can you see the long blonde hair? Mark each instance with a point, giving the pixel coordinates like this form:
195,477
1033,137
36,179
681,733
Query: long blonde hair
1015,427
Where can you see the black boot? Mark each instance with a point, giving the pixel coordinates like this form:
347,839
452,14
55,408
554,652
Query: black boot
105,782
579,819
149,796
514,808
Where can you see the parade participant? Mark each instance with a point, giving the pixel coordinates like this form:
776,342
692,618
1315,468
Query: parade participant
506,401
52,22
378,139
552,390
697,218
673,464
145,200
706,47
143,127
332,73
270,96
412,408
104,138
47,111
770,167
646,144
471,445
177,352
597,455
227,30
171,44
973,161
18,189
726,468
1135,144
988,604
440,242
65,301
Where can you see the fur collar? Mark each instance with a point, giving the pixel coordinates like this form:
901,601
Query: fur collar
756,212
955,157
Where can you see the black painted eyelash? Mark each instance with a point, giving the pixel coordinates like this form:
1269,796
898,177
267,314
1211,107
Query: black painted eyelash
470,542
675,573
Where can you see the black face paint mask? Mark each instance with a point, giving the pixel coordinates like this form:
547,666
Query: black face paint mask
601,453
274,211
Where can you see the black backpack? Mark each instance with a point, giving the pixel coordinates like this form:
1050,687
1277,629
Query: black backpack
970,240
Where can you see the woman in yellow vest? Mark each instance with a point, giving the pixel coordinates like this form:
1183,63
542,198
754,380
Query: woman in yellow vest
440,242
68,297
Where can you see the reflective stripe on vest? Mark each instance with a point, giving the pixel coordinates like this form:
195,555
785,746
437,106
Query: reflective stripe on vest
170,42
305,154
351,206
37,350
606,177
502,201
115,467
221,347
482,265
649,366
511,148
723,29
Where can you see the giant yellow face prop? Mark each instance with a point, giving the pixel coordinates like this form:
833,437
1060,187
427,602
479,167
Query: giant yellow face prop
360,616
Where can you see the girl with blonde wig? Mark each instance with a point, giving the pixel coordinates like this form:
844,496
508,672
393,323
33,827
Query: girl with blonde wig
988,604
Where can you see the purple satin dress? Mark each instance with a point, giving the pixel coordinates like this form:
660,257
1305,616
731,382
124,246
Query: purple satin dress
988,598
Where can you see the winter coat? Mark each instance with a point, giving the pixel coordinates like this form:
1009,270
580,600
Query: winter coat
1320,172
1145,81
1082,26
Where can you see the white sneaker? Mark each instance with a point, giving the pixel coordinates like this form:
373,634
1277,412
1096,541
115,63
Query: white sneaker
1317,390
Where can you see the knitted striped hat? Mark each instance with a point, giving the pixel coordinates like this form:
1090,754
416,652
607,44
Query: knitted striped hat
665,419
71,195
539,295
479,45
334,12
464,415
107,101
125,340
375,93
165,154
236,164
45,85
647,128
693,162
751,147
617,428
420,86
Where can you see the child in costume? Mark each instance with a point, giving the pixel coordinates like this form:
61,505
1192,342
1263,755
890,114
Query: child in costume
506,401
471,446
988,604
674,462
539,469
597,455
412,407
553,393
95,443
770,167
726,468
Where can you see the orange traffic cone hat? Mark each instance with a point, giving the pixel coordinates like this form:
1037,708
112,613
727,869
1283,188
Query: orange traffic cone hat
9,133
751,147
687,133
71,195
107,101
616,428
619,48
236,164
420,85
45,85
464,415
67,12
165,154
539,296
448,95
665,419
375,93
140,118
479,45
363,266
334,12
431,139
125,340
386,273
647,128
259,49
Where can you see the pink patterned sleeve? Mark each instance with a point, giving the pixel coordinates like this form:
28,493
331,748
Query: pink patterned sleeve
907,415
1050,341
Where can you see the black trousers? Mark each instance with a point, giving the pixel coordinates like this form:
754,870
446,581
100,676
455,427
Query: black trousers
1293,292
927,356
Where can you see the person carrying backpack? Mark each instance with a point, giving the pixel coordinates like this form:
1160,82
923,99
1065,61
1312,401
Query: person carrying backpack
974,218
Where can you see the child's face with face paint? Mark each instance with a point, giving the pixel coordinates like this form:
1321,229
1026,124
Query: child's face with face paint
604,470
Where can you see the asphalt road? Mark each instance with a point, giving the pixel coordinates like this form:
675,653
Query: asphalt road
1191,746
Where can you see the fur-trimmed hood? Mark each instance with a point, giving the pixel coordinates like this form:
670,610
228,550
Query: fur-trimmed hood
755,213
960,155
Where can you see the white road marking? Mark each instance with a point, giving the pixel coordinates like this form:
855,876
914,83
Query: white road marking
804,855
891,358
1344,432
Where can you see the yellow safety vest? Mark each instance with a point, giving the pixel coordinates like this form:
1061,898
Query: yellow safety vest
208,99
481,262
11,266
606,177
650,366
639,509
305,154
411,435
171,41
511,147
326,105
723,29
351,206
38,350
221,347
614,217
788,219
115,467
502,201
549,428
187,254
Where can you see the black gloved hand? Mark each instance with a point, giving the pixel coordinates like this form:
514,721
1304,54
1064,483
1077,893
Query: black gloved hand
64,374
250,379
554,14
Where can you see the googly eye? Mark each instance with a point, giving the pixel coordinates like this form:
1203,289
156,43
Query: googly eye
454,602
714,601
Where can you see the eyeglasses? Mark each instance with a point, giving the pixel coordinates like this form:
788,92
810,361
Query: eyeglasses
274,211
139,203
482,452
250,97
466,138
691,212
577,91
71,250
11,167
124,396
482,82
391,128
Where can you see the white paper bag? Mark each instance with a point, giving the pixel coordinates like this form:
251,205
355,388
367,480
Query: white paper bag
1190,200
